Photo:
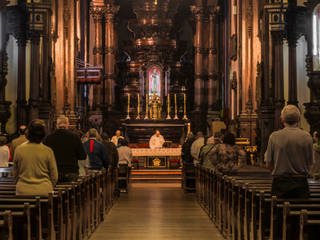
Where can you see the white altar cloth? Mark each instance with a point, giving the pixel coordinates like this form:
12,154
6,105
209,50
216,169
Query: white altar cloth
161,152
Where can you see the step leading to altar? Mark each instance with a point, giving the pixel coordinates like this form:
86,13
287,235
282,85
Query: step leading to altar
156,175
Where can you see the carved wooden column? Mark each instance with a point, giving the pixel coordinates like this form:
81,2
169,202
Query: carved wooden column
109,56
4,105
97,13
34,77
292,37
21,89
313,107
272,77
212,78
198,65
277,64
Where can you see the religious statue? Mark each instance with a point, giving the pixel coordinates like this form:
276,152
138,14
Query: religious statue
155,107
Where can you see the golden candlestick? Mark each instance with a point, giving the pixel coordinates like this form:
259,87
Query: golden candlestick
147,107
175,108
138,117
189,128
185,107
168,104
128,110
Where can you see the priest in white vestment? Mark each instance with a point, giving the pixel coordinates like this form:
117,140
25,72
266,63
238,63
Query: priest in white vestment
115,138
156,141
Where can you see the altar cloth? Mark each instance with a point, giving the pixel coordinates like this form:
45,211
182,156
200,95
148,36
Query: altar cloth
161,152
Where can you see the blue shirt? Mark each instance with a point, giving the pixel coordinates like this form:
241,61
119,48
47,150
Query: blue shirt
98,155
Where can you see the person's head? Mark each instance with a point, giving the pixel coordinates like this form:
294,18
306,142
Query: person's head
22,130
199,134
229,138
105,136
92,133
122,142
62,122
36,131
118,133
157,133
290,115
3,140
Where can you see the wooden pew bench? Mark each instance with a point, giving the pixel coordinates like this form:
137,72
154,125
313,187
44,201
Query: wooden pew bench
309,223
6,225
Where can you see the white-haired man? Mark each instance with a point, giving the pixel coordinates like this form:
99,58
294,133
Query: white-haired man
289,156
68,149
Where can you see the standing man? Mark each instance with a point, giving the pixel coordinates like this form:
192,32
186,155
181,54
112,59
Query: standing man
196,146
289,156
21,139
156,141
116,138
68,149
98,155
111,149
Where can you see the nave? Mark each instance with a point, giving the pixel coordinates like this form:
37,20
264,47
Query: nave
156,211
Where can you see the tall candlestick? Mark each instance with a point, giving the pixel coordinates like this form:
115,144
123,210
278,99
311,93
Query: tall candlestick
189,128
138,117
128,110
175,108
168,104
184,107
147,107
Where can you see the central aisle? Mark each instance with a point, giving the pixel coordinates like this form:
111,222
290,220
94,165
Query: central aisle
156,211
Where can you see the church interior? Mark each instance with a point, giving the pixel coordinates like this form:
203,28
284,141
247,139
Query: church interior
167,68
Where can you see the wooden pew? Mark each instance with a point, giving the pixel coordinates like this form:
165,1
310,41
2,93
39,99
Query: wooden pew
240,206
6,225
72,211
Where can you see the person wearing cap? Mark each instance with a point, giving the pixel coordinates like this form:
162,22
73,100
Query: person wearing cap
289,156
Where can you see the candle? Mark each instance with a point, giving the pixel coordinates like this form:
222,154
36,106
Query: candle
138,117
128,110
168,104
147,106
185,107
175,107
